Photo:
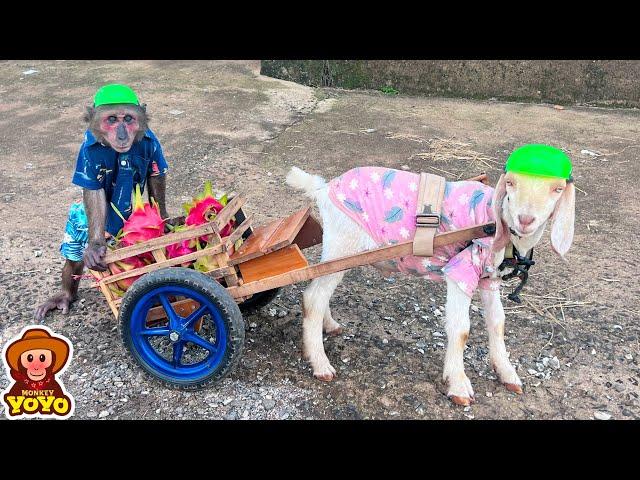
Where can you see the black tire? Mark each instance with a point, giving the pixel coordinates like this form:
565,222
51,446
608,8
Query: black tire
216,293
258,300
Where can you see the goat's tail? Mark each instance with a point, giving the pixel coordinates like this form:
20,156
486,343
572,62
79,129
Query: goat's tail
310,184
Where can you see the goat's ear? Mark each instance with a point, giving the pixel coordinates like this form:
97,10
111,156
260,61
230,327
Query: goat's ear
563,221
501,238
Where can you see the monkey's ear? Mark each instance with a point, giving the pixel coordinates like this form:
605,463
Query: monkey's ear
143,106
88,114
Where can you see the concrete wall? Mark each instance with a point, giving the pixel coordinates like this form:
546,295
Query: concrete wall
593,82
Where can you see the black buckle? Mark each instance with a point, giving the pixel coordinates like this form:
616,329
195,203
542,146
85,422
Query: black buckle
427,219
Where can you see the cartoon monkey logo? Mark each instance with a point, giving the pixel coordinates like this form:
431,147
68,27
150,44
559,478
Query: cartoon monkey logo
32,361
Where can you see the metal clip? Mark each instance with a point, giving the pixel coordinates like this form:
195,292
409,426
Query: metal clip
427,220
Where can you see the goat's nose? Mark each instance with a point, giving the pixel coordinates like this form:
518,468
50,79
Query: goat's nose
526,220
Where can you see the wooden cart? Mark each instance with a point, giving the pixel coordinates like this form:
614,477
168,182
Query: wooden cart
185,327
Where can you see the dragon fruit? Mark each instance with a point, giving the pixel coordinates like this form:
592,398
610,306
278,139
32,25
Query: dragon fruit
204,264
144,223
181,248
204,208
125,265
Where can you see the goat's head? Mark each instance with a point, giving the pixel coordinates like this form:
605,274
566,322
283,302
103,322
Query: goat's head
524,202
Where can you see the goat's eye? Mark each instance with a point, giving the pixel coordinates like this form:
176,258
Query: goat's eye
559,190
509,183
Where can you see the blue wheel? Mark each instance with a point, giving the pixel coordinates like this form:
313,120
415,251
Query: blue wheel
182,327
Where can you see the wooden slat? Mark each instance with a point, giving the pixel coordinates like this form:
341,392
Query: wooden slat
181,307
157,243
254,245
108,294
159,255
239,231
229,211
272,264
167,263
344,263
287,231
309,235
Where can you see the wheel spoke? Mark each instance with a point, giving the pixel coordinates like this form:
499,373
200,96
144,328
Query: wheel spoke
155,332
201,342
191,319
178,348
171,313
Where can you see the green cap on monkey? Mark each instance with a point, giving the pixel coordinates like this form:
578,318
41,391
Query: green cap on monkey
113,94
540,160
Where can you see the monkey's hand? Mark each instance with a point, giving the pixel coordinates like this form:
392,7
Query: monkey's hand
94,255
61,301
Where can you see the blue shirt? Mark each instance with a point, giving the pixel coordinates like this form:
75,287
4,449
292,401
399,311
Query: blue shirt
99,166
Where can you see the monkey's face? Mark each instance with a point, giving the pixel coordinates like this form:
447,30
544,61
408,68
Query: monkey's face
36,363
119,126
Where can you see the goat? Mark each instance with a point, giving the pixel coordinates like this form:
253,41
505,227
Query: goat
522,205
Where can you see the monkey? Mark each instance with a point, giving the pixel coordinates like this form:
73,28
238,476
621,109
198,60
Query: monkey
119,150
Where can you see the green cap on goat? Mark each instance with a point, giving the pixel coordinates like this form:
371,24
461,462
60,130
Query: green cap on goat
540,160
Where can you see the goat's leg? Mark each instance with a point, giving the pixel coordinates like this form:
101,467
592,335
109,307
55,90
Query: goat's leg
329,325
494,321
315,307
457,328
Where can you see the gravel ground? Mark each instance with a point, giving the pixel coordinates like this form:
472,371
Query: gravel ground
223,121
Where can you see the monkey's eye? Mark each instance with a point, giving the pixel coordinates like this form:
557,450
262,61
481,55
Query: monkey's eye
112,119
42,357
29,358
128,119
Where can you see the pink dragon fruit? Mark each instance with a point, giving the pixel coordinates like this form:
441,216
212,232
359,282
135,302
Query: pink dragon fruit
144,223
204,208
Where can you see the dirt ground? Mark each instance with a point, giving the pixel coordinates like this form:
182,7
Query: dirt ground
222,121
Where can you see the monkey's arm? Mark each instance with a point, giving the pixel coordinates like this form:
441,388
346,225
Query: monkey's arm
157,190
95,204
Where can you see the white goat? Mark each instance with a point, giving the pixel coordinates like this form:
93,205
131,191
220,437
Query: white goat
522,203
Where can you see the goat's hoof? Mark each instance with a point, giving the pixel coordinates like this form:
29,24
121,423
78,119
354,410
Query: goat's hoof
335,332
325,377
513,387
464,401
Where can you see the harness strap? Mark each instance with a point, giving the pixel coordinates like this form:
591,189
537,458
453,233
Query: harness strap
430,195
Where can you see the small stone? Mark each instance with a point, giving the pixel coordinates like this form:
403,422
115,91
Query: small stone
531,371
370,130
602,415
253,325
405,167
385,341
554,363
38,253
273,312
227,401
93,414
232,415
618,387
345,360
48,270
103,413
467,409
474,308
268,404
628,356
437,312
176,112
489,394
